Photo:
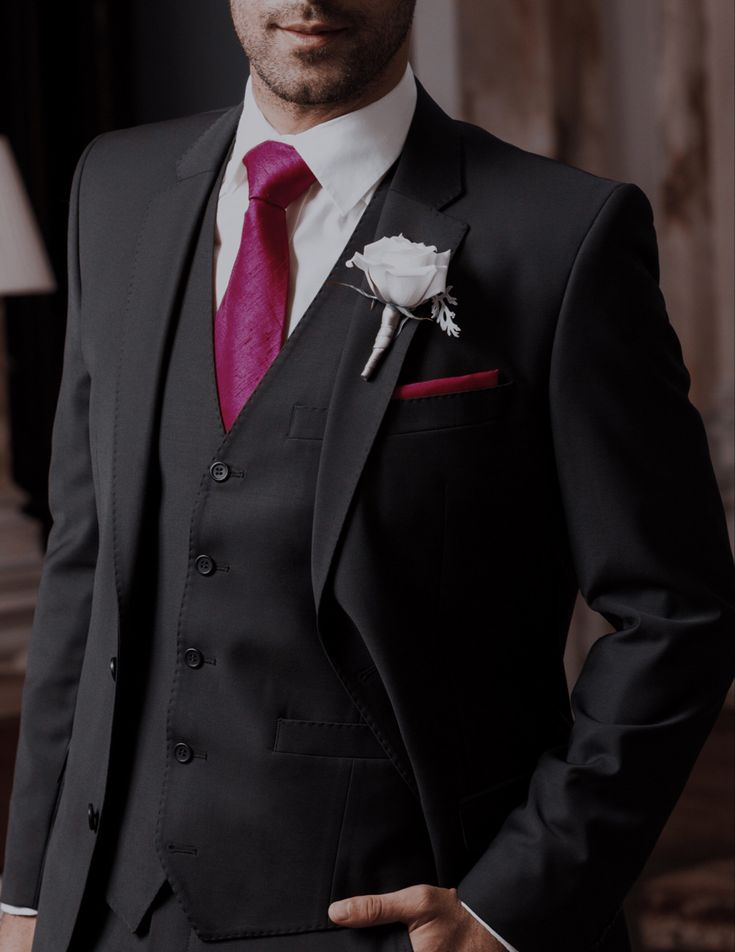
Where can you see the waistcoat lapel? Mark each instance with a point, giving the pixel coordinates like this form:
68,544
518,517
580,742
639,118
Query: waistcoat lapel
163,247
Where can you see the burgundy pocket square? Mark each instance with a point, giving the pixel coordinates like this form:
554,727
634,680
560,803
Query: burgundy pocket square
441,385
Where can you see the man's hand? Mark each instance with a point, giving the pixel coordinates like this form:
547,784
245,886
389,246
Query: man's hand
16,932
436,919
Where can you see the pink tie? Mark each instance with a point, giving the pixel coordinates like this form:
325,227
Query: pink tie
251,320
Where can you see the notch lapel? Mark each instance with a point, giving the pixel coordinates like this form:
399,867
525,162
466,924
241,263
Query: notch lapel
163,247
427,178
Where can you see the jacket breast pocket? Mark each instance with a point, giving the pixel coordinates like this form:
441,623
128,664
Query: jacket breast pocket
438,412
447,410
482,813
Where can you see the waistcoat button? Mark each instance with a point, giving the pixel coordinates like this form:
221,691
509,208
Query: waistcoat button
193,657
183,753
205,565
219,471
113,668
93,817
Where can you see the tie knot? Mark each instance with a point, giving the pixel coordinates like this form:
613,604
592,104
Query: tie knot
277,173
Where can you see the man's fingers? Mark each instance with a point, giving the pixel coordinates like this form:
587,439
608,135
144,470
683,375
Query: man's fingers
405,905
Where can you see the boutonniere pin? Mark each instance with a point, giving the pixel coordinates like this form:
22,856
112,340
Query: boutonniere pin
403,275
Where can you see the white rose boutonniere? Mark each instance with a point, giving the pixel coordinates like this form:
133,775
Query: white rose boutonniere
402,275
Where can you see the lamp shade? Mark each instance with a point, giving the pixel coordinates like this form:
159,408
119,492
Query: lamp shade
24,266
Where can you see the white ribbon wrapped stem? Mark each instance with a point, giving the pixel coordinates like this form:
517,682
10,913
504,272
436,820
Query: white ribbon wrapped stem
388,324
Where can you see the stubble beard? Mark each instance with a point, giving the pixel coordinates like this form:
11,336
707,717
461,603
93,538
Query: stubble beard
326,77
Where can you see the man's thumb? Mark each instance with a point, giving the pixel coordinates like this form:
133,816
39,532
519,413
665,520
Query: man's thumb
371,910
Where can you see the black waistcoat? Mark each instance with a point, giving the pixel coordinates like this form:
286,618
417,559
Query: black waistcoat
243,772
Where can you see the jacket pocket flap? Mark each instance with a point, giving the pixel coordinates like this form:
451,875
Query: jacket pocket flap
326,739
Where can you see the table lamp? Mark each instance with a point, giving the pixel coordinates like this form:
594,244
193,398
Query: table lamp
24,269
24,266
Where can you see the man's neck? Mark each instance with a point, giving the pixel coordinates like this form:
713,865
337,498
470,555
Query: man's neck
290,118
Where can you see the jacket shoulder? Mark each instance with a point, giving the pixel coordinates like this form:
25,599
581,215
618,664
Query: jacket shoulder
530,177
539,203
147,153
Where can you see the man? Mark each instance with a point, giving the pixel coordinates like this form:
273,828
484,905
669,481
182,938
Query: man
300,634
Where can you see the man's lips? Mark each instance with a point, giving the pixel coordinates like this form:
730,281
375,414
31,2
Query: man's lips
313,33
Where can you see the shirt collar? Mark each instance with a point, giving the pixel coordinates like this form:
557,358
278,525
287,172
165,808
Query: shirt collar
348,155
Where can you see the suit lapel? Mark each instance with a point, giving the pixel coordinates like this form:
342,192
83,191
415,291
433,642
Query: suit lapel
163,247
427,178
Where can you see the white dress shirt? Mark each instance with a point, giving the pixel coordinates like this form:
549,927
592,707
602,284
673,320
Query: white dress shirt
349,156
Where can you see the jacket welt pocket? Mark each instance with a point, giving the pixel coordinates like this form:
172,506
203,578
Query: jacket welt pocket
326,739
446,410
307,423
483,813
438,412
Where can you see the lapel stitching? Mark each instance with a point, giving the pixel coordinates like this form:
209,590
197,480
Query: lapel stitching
168,227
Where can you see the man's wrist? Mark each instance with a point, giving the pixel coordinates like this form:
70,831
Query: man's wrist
17,910
501,940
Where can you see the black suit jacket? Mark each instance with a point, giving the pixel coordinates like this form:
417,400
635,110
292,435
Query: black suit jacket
451,533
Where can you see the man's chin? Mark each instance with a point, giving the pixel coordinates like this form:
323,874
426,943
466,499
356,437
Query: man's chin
311,85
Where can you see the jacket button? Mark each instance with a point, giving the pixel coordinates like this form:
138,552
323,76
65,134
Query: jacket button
183,753
205,565
93,817
219,471
113,668
193,658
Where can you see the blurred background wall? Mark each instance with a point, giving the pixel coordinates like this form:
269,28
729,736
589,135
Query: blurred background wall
637,90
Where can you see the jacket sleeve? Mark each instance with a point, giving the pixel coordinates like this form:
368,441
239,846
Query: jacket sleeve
648,537
62,612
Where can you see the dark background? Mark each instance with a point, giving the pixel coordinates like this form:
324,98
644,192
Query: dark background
68,71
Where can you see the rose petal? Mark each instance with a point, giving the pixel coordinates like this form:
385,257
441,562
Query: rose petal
439,284
410,270
378,251
409,257
404,243
373,288
403,272
406,289
358,261
378,281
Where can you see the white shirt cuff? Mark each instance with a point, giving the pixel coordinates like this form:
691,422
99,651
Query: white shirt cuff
17,910
482,922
